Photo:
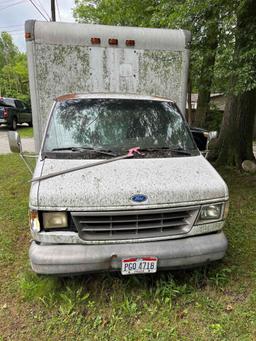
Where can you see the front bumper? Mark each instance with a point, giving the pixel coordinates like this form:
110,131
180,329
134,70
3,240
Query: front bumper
71,259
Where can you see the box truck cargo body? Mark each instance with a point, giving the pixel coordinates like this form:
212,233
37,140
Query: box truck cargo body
75,58
119,183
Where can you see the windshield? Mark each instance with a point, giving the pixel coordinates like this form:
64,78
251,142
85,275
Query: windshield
116,124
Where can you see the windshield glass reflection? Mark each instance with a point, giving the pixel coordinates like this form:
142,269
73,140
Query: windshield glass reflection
117,124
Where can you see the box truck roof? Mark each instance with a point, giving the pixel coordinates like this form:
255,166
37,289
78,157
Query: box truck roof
106,35
112,95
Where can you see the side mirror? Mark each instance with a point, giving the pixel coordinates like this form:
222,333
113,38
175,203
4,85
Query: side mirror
212,135
16,147
14,142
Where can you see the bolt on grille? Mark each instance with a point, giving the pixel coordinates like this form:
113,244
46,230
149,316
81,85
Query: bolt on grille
119,225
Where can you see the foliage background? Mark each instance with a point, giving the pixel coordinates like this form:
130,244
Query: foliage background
13,70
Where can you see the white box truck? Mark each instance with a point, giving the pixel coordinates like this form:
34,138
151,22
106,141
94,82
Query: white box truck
119,182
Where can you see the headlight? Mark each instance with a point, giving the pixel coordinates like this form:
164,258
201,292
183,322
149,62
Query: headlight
209,213
55,220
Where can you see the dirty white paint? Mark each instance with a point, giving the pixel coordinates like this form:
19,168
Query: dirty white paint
168,182
62,60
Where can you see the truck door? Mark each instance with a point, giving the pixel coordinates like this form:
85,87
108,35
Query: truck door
23,112
19,111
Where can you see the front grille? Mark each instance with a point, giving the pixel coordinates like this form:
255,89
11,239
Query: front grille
118,225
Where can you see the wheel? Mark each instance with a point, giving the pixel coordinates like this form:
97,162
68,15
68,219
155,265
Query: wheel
13,125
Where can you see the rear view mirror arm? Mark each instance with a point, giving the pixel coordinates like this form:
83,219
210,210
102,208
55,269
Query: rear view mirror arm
23,157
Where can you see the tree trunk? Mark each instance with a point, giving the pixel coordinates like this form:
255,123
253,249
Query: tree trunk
235,143
207,70
236,135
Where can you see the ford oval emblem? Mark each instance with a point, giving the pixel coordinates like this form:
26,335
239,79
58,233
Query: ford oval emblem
139,198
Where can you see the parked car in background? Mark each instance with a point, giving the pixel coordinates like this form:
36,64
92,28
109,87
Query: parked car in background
13,112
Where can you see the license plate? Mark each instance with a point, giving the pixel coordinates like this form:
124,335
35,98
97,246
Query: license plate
143,265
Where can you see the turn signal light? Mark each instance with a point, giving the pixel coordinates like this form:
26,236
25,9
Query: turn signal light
27,35
34,221
226,209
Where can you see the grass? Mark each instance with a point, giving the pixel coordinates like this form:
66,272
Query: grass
216,302
25,131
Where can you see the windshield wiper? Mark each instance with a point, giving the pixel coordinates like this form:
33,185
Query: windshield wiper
90,149
131,153
177,150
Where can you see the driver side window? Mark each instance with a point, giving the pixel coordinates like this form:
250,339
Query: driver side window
19,105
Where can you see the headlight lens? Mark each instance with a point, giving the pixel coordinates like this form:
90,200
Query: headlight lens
55,220
210,213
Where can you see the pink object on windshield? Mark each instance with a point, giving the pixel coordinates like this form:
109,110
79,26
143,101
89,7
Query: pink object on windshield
134,150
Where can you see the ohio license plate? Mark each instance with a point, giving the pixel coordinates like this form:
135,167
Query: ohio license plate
143,265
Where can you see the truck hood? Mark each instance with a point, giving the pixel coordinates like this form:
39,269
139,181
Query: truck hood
165,182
